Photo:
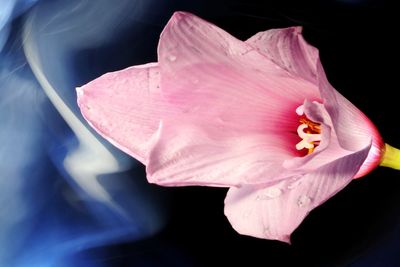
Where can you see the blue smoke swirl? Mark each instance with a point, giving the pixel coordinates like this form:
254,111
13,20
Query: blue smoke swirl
63,189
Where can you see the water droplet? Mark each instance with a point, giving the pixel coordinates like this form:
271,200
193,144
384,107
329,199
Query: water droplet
303,201
294,182
273,192
293,185
171,58
270,193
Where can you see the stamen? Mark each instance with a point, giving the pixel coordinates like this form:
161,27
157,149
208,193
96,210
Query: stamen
315,127
310,133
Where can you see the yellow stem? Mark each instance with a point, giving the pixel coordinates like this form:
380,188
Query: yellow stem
391,157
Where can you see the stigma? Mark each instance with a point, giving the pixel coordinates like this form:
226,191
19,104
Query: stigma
309,132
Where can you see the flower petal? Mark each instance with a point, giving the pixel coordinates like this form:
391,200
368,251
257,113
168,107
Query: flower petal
275,212
124,107
288,49
210,74
230,102
354,130
191,154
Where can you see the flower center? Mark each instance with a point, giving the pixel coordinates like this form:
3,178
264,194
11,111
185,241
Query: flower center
309,132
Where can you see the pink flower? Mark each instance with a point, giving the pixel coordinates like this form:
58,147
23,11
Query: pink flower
257,116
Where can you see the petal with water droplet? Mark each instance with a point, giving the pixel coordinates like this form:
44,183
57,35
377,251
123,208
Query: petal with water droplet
283,214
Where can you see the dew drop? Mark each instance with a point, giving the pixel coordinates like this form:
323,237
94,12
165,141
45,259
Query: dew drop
294,182
171,58
303,201
270,193
273,192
